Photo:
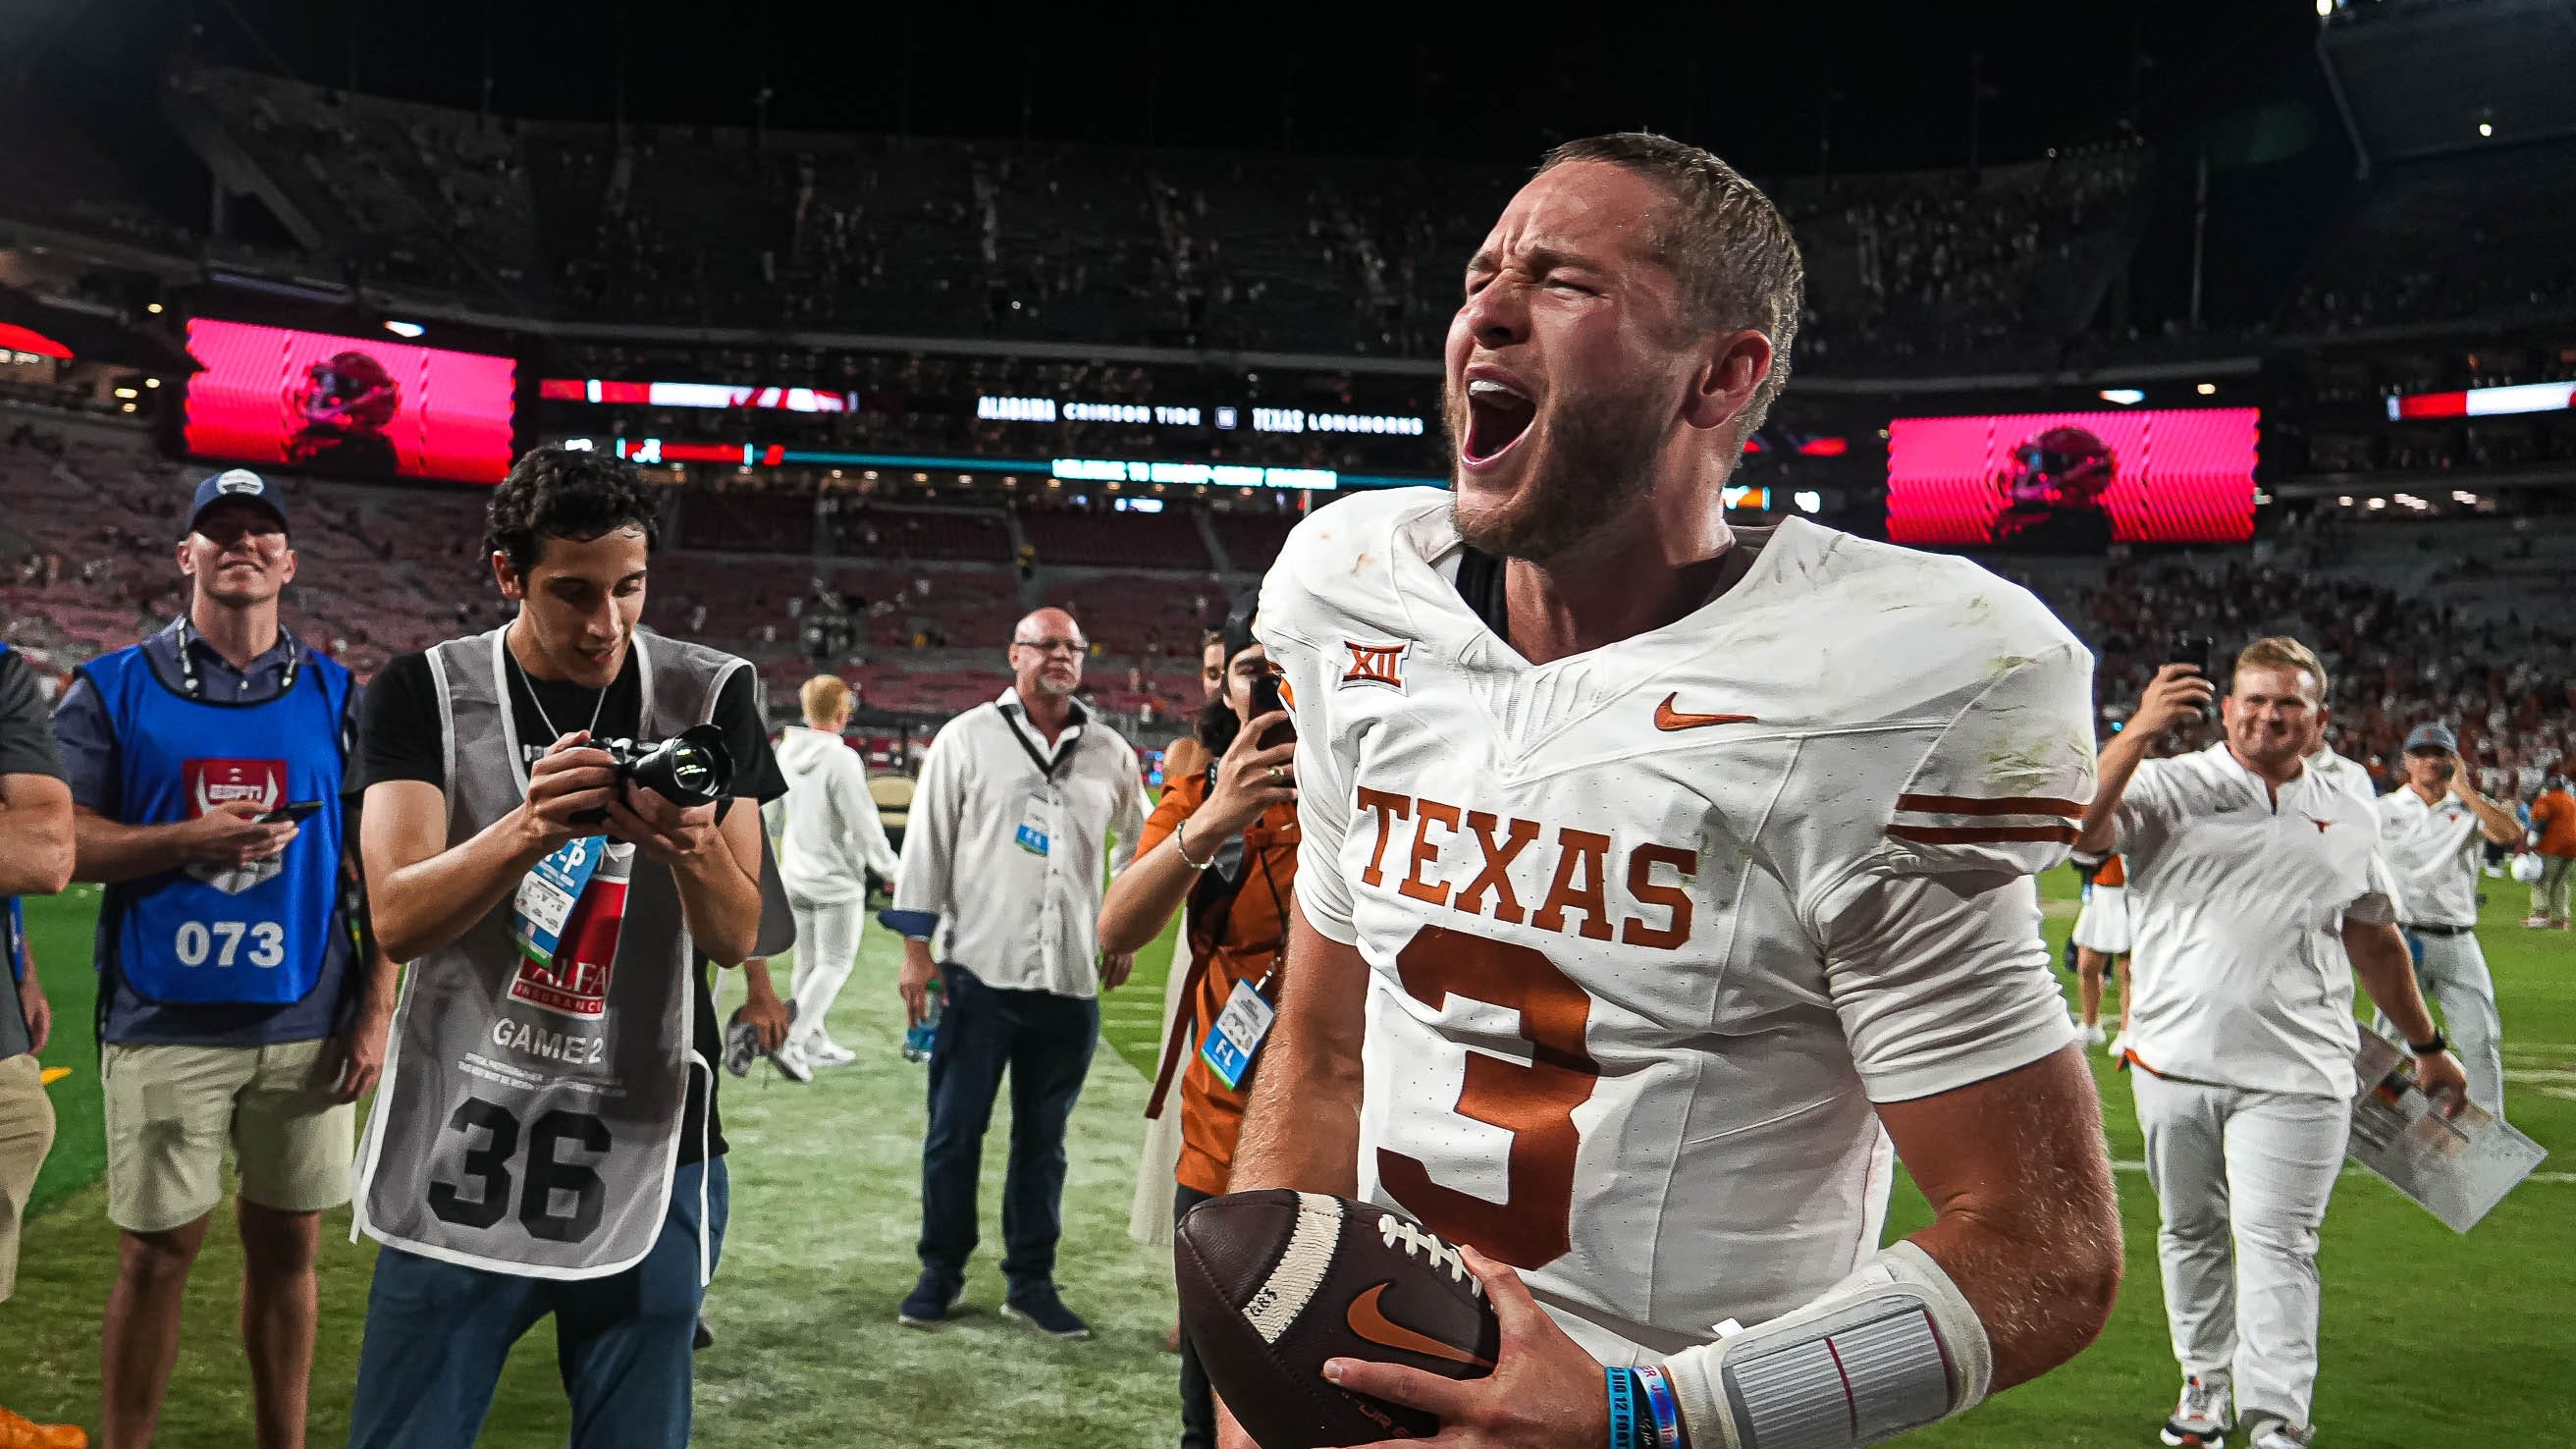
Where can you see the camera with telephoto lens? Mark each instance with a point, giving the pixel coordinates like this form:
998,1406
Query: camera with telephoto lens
690,768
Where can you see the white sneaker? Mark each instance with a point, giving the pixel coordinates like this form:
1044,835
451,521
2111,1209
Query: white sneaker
825,1052
2092,1035
2201,1420
791,1063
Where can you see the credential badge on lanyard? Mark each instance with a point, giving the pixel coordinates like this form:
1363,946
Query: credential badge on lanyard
1037,826
548,893
1237,1035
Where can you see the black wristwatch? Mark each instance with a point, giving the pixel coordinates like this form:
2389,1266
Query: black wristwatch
2434,1048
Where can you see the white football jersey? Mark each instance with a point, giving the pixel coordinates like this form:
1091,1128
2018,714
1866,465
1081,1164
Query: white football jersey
1651,927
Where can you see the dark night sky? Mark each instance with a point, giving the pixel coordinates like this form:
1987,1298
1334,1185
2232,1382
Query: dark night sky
1495,82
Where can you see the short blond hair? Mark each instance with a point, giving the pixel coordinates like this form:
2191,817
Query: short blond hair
824,696
2280,651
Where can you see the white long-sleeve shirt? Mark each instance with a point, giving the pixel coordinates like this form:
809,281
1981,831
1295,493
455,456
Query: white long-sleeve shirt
830,832
1009,845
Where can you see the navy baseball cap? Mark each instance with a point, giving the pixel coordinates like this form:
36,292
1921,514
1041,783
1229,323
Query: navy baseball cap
236,483
2432,735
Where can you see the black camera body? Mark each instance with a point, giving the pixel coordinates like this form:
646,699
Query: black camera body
690,768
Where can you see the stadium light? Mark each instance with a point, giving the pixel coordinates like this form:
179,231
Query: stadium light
2344,501
2127,397
2325,8
151,382
1808,501
127,392
2207,389
2378,503
2486,128
405,329
152,307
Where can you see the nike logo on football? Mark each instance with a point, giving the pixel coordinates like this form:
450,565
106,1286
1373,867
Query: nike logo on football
1370,1322
1669,718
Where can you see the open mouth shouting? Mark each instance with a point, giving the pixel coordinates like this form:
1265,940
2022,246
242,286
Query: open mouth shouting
1499,414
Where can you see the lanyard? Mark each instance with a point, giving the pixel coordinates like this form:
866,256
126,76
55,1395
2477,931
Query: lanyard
1046,767
195,688
553,734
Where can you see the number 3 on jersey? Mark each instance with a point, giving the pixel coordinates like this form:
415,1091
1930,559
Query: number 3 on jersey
1534,1101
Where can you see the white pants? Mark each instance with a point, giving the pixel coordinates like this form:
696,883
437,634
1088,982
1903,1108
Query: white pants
827,946
2453,976
2242,1180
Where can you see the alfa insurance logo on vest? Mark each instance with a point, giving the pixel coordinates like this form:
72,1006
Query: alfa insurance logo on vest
575,983
213,784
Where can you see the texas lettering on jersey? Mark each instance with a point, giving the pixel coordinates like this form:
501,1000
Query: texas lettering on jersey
1576,866
1649,929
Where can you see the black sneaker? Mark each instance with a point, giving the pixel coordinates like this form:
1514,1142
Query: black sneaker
701,1339
1037,1305
933,1299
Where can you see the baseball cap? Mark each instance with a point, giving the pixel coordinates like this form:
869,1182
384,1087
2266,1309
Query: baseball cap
2432,735
236,483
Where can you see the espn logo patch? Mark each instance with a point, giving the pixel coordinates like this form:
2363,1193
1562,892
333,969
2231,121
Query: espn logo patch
213,784
1379,664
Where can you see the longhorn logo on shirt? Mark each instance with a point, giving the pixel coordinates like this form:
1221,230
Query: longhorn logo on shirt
1381,664
213,784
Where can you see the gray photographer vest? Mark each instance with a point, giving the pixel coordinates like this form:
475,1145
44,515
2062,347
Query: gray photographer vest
528,1124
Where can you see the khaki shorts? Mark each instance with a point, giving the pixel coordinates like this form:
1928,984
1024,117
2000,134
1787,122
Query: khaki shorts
26,1134
172,1109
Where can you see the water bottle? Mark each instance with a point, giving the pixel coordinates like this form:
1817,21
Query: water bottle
916,1041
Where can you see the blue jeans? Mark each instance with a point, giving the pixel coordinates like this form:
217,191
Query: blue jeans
1045,1041
438,1333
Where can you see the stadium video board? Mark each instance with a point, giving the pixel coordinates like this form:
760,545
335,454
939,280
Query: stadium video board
350,407
2072,482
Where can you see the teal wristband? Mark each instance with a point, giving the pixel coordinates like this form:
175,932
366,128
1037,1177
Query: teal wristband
1622,1388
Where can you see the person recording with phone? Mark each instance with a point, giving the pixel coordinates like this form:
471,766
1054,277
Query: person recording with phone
563,818
1224,840
2251,879
239,1005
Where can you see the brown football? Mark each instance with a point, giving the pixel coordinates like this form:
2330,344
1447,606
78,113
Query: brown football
1274,1283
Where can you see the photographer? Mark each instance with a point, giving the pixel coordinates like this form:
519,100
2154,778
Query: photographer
2251,878
547,1140
1224,839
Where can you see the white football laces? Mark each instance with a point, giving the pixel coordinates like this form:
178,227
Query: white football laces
1393,1230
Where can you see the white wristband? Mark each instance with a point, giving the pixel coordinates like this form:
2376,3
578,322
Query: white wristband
1889,1349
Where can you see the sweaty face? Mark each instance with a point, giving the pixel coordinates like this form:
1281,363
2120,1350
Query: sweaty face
238,554
1566,363
2272,715
579,604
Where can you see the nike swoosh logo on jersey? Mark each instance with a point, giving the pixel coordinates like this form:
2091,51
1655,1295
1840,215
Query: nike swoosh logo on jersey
1668,718
1370,1322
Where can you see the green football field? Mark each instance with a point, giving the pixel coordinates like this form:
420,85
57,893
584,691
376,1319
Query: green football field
2430,1339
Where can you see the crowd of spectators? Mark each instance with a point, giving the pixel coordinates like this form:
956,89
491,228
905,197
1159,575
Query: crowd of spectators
2440,241
902,237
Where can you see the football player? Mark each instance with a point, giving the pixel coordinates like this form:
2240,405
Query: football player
1663,884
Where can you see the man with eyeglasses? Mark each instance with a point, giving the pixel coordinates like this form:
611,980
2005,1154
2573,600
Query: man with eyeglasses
998,899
